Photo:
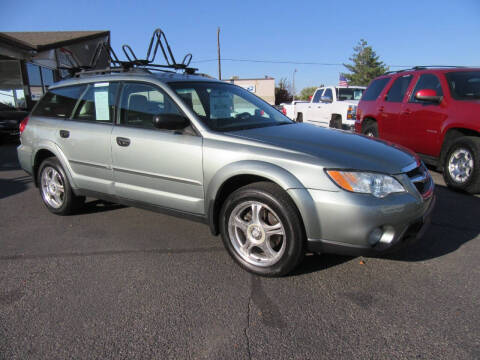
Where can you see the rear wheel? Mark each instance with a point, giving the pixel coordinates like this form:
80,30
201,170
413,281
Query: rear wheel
371,129
261,229
461,167
55,189
299,117
336,122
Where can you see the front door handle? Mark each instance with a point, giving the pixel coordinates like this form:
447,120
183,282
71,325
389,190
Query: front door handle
123,141
64,134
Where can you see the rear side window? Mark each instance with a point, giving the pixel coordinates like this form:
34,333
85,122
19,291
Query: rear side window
427,81
59,103
97,103
398,89
375,89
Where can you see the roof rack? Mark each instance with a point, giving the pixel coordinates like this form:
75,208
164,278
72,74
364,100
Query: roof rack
423,67
158,40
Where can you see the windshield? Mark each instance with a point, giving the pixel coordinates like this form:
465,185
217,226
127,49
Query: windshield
464,85
349,93
227,107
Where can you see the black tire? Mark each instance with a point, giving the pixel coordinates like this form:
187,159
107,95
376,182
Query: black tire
336,122
277,200
471,183
371,129
299,118
70,202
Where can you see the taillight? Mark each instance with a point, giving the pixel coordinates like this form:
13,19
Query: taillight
359,114
284,111
23,125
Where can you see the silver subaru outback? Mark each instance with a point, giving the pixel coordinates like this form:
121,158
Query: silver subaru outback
211,151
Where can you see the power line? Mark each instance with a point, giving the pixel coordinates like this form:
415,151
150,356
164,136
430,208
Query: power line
286,62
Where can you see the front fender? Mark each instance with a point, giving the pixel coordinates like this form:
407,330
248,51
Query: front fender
283,178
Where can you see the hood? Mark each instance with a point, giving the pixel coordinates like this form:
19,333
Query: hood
334,148
349,102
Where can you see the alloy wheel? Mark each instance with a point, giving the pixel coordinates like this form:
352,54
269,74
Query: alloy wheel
257,233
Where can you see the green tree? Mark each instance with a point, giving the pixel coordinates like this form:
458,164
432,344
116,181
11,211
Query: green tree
283,92
307,92
365,65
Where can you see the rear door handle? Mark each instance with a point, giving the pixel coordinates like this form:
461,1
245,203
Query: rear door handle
407,112
64,134
380,109
123,141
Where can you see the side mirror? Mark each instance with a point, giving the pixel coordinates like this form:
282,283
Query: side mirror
327,99
428,95
170,121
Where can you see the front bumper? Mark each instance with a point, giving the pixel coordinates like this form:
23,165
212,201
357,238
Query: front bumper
345,223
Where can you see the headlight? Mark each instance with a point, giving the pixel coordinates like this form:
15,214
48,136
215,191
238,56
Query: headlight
367,183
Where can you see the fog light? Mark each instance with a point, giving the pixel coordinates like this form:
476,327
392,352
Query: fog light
383,235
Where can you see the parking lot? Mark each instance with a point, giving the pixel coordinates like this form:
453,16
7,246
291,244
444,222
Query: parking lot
119,282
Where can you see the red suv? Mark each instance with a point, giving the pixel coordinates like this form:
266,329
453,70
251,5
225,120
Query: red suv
433,111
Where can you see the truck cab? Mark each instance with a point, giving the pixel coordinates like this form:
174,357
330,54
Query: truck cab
331,106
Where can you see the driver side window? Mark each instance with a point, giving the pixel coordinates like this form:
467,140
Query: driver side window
427,81
328,93
139,103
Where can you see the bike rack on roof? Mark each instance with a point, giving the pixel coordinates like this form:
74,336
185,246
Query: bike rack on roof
158,40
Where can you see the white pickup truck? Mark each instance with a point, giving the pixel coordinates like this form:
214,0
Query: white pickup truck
331,106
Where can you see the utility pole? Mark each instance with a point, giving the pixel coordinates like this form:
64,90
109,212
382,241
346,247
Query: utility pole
218,47
293,84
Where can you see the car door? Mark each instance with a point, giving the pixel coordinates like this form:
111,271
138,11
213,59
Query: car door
324,112
424,118
158,167
390,125
313,107
85,137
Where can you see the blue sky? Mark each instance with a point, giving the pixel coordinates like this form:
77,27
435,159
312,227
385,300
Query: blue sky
407,33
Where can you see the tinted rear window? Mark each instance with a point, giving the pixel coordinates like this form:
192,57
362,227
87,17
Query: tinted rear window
398,89
59,103
375,88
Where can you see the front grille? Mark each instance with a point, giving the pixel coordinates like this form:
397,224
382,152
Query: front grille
420,177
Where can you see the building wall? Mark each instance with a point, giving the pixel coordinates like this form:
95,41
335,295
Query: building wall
264,88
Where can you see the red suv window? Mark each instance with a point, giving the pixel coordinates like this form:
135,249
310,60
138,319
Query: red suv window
427,81
398,89
374,89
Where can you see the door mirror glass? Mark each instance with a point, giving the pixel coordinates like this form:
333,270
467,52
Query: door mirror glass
428,95
170,121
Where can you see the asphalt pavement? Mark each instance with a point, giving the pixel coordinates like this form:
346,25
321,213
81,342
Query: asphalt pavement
115,282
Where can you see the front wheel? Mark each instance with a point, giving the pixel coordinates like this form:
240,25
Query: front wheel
261,229
57,194
371,129
461,167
